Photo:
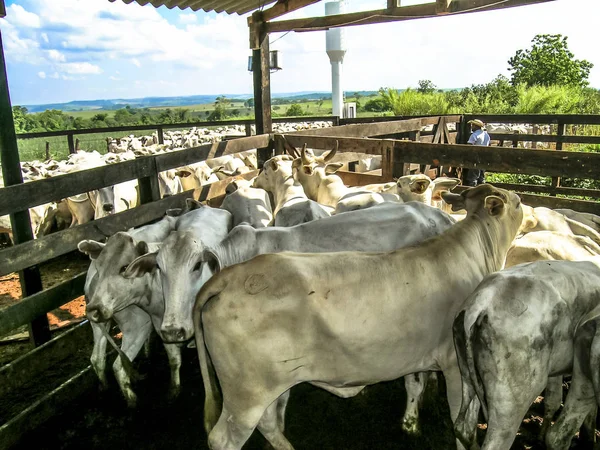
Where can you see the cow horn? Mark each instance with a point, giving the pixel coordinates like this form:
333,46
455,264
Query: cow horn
332,153
305,158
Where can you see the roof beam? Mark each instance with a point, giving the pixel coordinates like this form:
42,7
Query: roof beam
393,15
443,6
283,7
2,9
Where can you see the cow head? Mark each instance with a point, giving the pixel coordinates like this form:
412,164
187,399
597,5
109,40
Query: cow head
311,170
113,291
275,170
421,188
169,183
182,271
103,201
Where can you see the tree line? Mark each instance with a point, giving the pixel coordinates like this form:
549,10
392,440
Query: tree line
545,79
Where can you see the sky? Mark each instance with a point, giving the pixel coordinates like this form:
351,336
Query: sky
63,50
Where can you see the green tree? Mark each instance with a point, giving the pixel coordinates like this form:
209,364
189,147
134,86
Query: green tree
249,103
294,110
377,105
426,87
548,62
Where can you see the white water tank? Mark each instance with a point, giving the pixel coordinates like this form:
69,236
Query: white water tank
336,50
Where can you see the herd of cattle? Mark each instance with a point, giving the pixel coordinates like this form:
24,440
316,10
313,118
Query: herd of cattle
299,278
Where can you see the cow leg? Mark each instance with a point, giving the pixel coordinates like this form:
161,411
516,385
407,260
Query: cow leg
233,429
271,427
552,402
174,355
98,358
587,435
282,402
454,394
135,333
414,384
580,401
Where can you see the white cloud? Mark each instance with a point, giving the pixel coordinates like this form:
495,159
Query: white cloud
45,38
22,18
56,56
42,75
114,78
80,68
136,62
188,18
54,75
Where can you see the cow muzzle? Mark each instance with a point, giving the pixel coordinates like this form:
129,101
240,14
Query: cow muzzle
98,313
108,207
172,334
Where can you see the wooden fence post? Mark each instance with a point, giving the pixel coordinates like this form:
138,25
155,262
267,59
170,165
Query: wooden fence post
31,281
161,135
148,186
71,143
248,129
559,146
77,144
47,150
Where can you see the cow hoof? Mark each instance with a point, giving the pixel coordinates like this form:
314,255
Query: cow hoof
410,426
131,400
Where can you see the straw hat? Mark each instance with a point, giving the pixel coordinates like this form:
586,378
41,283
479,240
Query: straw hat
477,122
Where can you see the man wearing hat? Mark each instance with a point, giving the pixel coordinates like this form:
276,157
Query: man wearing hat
479,136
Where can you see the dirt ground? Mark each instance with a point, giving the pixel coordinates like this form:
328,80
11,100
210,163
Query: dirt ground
52,272
314,420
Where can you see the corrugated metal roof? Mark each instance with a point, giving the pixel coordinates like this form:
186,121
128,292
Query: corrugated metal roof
229,6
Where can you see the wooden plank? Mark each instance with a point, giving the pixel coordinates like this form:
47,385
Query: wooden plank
359,179
443,6
70,143
370,129
369,146
524,161
46,408
261,74
2,9
32,365
387,161
33,252
545,138
359,120
19,198
397,14
550,190
559,146
40,303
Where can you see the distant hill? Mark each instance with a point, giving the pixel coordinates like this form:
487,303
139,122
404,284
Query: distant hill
173,102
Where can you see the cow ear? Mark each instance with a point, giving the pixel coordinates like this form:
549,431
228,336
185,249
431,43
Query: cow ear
141,248
297,163
457,201
191,204
419,186
308,170
231,188
443,184
91,248
332,168
494,205
273,165
212,259
141,265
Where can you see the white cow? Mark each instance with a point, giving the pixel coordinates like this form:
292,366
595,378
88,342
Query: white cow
591,220
107,299
248,204
421,188
518,328
342,320
540,218
181,267
291,205
317,177
194,176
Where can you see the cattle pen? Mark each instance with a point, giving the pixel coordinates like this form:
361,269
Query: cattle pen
391,139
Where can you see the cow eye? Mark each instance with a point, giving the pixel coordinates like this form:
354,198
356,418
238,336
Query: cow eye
123,269
198,266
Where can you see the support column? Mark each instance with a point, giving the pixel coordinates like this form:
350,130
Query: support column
259,41
31,282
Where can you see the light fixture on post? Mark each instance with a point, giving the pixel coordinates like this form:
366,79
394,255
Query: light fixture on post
274,61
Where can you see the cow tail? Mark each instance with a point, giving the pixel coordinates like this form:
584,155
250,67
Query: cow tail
595,361
465,432
213,400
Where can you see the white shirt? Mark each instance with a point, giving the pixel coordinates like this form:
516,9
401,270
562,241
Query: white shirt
479,137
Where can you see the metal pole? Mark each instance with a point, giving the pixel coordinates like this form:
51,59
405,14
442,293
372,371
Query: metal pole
31,282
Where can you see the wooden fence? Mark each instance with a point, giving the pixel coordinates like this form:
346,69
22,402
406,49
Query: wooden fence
386,138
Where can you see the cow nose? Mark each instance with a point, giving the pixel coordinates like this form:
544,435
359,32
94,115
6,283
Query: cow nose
108,207
166,195
173,334
98,314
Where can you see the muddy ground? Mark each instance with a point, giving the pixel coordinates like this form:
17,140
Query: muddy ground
315,419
